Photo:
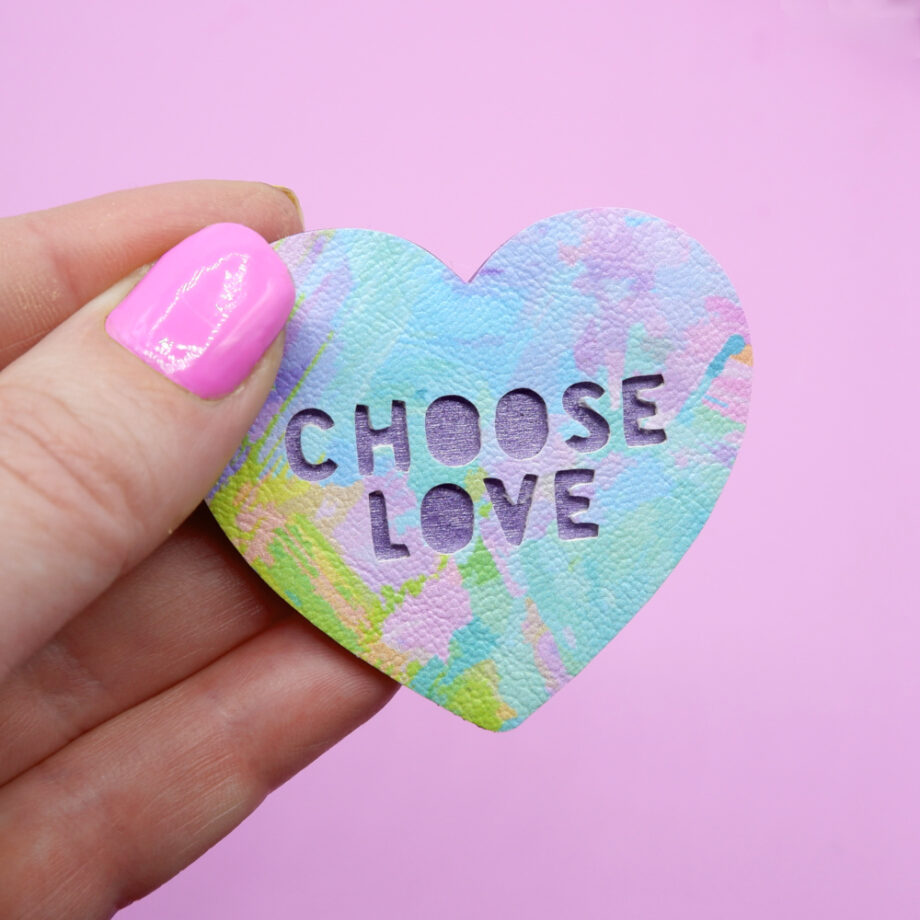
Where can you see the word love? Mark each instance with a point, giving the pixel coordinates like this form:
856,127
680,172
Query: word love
453,437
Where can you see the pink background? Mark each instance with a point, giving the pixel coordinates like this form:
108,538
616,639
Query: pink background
748,747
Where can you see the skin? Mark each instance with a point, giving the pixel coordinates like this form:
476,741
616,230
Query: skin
152,689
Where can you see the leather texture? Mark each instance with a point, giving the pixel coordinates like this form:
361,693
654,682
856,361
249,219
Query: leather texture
487,585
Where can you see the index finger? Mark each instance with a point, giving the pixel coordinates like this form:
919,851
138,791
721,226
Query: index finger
54,261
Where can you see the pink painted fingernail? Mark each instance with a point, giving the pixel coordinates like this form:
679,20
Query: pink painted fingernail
207,310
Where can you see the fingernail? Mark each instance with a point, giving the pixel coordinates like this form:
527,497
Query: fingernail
207,310
292,197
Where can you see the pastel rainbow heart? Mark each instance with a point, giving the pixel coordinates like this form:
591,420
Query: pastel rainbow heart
475,485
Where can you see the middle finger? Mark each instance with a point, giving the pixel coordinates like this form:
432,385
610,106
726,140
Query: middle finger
185,606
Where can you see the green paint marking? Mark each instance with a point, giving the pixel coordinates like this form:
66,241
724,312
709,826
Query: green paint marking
473,697
480,568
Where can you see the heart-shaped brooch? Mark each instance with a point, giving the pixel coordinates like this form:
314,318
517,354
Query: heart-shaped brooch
474,486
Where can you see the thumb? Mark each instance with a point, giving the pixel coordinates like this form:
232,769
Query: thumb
102,455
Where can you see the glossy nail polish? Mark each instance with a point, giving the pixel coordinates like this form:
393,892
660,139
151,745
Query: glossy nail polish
207,310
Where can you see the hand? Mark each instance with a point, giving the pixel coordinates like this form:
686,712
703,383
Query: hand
151,693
